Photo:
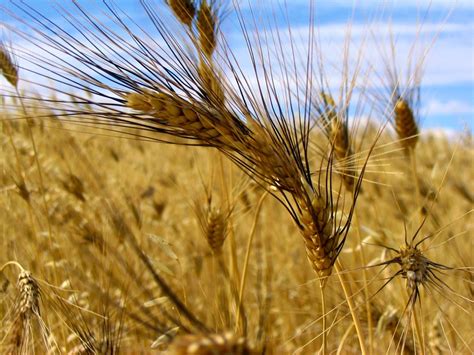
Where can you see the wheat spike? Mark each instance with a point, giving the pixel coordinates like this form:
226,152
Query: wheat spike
29,294
414,266
206,25
216,229
184,10
317,231
28,307
405,124
206,43
338,133
210,83
182,115
417,269
271,161
8,68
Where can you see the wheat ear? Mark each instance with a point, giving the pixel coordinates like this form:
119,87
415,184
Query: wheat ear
184,10
29,294
206,25
27,307
216,229
8,68
317,231
181,115
405,124
338,133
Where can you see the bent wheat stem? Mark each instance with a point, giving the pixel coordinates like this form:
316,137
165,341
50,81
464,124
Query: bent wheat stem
247,255
350,302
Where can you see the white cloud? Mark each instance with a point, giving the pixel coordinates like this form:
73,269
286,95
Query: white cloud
450,107
392,4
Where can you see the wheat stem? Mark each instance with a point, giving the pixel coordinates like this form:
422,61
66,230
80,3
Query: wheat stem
352,308
247,257
342,341
323,318
366,284
418,332
232,243
411,153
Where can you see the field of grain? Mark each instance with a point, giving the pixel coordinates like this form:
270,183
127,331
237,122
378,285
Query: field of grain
241,236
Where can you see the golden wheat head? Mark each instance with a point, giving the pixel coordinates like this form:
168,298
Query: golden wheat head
405,124
206,24
184,10
8,68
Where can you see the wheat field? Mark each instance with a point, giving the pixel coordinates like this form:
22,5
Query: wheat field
149,210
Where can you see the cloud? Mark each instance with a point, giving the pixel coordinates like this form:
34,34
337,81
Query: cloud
449,107
393,4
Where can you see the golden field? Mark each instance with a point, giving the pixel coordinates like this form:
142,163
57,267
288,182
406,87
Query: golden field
71,237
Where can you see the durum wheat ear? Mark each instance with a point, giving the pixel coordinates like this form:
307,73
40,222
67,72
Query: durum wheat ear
206,24
187,101
207,43
184,10
7,67
216,229
405,124
338,133
29,294
181,115
317,231
27,308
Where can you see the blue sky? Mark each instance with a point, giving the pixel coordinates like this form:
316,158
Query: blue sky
448,80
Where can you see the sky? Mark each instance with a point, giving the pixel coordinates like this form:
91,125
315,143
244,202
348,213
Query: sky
442,28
